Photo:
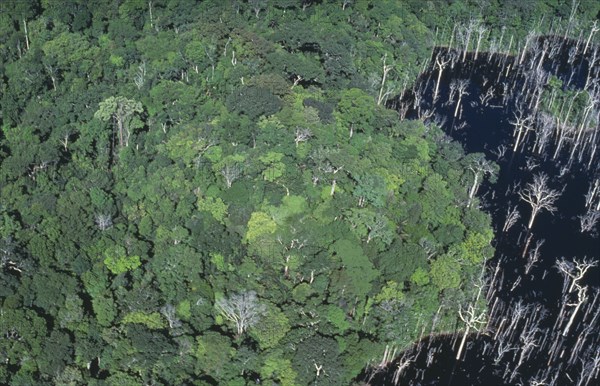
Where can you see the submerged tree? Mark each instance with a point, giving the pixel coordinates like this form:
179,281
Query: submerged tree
539,196
480,168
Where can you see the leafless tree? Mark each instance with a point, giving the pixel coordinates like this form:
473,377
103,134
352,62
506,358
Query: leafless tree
103,221
231,173
473,317
322,158
64,140
571,22
588,220
376,227
528,343
386,69
575,270
539,196
403,364
595,28
593,66
592,197
257,6
460,88
581,299
294,246
500,152
243,309
441,63
544,126
8,256
140,75
540,51
512,215
538,381
429,247
534,256
464,35
502,349
480,30
484,98
530,36
480,168
522,124
590,368
53,73
302,134
171,315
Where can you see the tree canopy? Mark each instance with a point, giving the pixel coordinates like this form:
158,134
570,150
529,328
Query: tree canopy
199,192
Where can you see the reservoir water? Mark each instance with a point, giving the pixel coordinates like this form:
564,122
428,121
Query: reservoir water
526,339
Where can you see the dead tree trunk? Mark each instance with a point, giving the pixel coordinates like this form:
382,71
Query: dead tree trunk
593,30
441,63
539,196
522,124
461,89
386,69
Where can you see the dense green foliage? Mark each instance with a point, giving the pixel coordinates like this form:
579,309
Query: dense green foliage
163,161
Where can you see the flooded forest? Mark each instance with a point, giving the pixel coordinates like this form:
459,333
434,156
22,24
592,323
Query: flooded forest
536,114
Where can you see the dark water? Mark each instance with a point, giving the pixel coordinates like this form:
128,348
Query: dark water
483,128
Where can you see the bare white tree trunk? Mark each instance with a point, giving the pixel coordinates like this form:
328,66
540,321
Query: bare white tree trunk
441,64
243,309
386,70
539,196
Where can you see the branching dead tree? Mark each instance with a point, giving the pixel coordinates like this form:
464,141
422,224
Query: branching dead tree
441,63
595,28
528,343
502,349
581,299
539,196
460,88
386,69
170,314
588,221
575,270
544,126
103,221
403,364
481,31
140,75
592,197
231,173
530,36
590,367
242,309
324,167
473,318
522,124
484,98
534,256
302,134
512,215
480,168
464,35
